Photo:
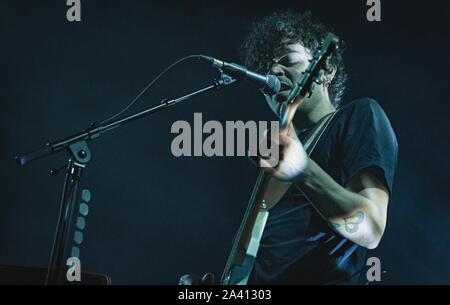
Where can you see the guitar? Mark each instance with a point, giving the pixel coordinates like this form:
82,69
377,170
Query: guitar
246,243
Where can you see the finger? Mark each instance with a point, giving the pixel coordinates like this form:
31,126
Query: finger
284,130
267,164
287,138
266,145
284,140
268,141
278,174
252,155
292,129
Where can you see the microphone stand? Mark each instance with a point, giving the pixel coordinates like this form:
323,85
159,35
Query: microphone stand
79,156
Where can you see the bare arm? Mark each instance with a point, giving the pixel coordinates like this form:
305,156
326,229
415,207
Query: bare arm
357,211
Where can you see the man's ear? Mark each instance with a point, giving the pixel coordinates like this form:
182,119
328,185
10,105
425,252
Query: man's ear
329,74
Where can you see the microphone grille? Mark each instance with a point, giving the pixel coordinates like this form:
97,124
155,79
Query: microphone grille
272,86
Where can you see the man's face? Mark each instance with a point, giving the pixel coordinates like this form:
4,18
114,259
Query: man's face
288,67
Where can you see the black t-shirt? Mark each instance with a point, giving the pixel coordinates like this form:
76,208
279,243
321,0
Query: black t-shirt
298,246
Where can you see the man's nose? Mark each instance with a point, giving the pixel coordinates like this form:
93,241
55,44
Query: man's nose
276,70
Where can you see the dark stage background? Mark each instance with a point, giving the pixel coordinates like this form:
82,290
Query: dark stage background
155,217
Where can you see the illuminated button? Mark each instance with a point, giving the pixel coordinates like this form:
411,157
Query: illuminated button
81,223
75,252
86,195
78,237
84,209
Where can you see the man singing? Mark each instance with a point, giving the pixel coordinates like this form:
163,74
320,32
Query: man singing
329,207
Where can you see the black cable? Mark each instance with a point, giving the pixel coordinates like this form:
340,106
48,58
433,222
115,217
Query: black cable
148,87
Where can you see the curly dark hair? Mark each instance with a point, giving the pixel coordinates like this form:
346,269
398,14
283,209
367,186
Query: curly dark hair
268,35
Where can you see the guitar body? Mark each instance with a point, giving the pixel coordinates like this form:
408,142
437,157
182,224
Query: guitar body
239,274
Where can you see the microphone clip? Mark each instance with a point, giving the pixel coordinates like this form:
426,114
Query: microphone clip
225,80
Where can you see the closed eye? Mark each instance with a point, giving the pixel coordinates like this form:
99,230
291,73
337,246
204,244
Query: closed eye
286,61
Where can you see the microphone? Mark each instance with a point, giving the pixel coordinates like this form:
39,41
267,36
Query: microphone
269,84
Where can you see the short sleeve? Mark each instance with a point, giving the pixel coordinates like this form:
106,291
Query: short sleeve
367,141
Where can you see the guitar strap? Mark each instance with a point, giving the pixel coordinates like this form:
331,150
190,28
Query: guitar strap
317,132
309,144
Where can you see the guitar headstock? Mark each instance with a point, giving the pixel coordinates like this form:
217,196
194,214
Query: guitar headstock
312,75
320,61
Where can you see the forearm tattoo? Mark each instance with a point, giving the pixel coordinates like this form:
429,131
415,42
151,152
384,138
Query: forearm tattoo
351,224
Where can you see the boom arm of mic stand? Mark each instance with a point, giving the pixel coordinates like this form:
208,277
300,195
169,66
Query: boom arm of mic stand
94,131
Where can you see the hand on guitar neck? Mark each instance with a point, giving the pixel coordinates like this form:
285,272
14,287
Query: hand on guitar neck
292,158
